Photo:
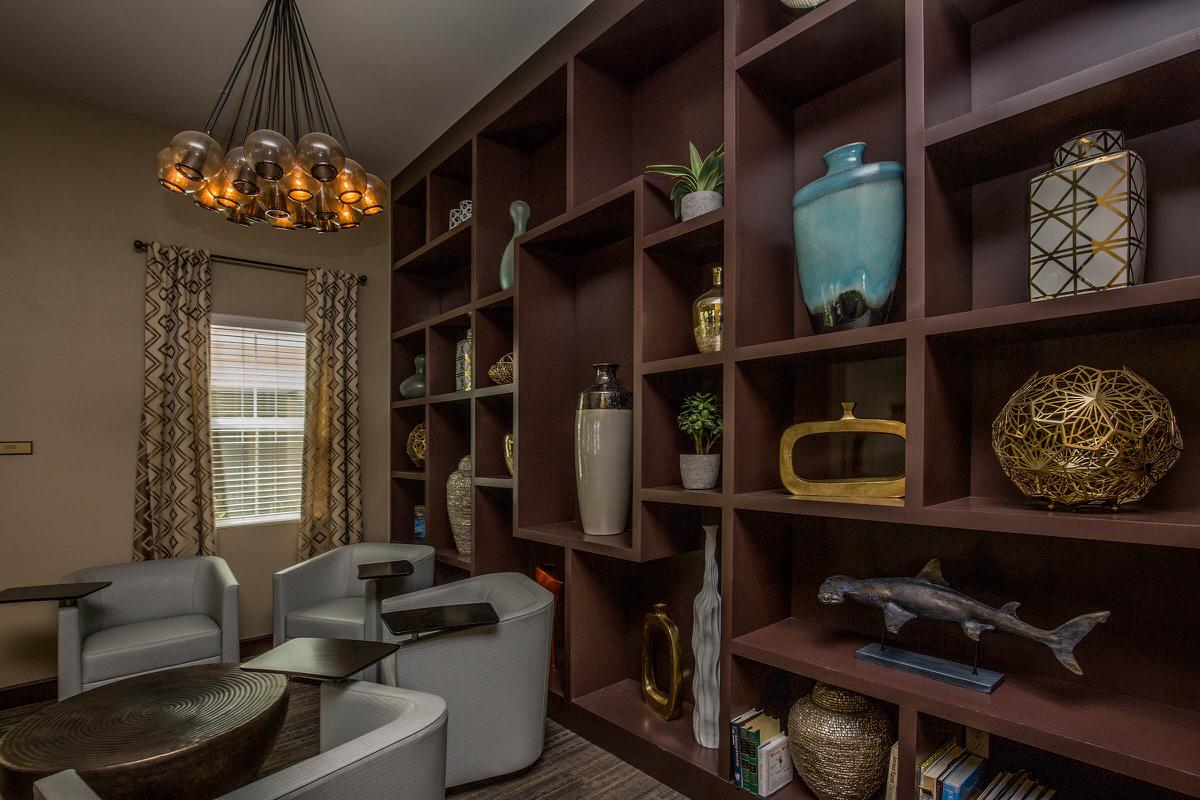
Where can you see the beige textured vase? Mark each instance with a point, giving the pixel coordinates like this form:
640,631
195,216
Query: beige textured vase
458,505
839,742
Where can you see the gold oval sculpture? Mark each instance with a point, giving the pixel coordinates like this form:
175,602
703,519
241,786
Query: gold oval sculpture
416,444
1085,436
667,704
509,447
853,489
839,742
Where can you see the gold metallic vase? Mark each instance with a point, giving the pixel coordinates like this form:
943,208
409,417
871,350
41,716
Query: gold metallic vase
857,489
1086,435
839,742
666,703
708,320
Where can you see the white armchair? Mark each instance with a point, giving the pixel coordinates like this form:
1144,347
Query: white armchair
377,743
494,678
157,615
324,598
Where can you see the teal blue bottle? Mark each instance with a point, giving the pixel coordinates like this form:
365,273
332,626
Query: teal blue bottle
849,229
519,211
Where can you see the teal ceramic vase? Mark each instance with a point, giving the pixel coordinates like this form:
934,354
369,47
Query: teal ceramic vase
849,228
519,211
414,385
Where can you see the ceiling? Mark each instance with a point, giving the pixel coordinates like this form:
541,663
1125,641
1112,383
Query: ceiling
400,71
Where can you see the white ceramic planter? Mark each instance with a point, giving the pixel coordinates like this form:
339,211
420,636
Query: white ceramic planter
699,472
697,203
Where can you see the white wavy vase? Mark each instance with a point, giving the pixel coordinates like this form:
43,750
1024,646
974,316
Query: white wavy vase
706,646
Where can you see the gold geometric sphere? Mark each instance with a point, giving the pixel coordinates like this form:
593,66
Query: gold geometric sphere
1085,436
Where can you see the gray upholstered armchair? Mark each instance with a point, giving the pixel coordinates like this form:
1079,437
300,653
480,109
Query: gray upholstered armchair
173,612
493,678
377,743
324,598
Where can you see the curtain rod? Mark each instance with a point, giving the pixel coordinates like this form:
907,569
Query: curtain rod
141,246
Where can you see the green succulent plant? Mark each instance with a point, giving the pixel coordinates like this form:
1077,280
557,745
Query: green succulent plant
700,419
702,175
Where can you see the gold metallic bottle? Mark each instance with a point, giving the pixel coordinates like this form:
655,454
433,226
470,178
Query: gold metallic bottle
708,318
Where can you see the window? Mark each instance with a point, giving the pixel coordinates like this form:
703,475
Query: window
257,407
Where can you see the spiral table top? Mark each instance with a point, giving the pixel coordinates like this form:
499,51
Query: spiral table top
159,716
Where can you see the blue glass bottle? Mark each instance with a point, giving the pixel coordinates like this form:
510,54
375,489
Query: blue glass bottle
849,229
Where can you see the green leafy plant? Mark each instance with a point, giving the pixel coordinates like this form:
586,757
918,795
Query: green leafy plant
702,175
700,419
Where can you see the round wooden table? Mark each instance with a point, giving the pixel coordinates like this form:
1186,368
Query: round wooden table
188,734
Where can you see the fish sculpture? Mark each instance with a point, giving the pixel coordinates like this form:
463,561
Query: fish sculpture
928,595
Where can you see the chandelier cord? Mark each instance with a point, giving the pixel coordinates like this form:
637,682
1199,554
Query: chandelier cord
223,97
341,131
255,35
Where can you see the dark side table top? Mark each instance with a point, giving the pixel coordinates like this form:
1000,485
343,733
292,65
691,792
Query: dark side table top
384,569
62,592
321,659
172,733
439,618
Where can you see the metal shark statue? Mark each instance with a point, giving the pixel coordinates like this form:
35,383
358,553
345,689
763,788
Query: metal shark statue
928,595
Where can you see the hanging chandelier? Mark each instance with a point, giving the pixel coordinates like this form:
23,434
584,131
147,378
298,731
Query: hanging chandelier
282,98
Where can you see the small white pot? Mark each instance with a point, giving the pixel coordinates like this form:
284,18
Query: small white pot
697,203
699,472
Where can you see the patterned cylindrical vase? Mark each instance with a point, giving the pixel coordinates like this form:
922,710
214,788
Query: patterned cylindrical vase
706,647
839,742
458,505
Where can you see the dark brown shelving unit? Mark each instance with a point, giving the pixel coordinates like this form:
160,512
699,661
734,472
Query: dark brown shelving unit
971,96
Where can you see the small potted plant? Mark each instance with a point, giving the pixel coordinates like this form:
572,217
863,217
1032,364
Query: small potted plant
700,419
699,187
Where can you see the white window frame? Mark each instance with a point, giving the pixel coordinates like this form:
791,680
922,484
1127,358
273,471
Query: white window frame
259,323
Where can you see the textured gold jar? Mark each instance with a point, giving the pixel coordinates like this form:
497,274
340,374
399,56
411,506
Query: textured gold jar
839,742
708,317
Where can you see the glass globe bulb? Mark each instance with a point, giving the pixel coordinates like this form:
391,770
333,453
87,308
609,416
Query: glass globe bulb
326,226
225,193
282,223
197,155
237,215
237,167
302,218
275,201
326,205
349,216
270,154
351,182
375,197
206,199
299,185
256,212
170,178
320,156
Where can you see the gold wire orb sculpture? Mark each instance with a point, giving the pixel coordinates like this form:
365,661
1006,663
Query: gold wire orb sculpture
1087,436
417,442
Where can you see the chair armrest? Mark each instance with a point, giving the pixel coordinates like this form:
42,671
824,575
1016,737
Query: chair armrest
217,596
65,785
305,584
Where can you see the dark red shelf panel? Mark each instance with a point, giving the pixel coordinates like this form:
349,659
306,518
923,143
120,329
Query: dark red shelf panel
701,239
681,363
450,556
568,534
602,220
877,341
1152,742
448,252
710,498
408,474
621,704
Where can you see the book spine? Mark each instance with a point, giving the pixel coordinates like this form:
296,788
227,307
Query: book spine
892,770
735,761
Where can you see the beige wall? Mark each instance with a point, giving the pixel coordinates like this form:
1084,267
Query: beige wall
71,341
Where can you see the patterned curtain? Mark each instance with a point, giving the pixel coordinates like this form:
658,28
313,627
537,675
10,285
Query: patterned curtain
173,504
331,501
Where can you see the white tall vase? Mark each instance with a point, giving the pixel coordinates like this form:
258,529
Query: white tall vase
706,646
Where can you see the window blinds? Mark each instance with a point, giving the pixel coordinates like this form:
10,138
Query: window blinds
257,408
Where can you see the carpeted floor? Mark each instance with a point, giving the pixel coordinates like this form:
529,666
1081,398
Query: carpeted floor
571,768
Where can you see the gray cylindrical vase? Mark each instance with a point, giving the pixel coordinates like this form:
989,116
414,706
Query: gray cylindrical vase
699,471
697,203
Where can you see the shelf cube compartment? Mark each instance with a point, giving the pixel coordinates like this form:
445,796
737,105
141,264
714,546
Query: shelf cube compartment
789,119
409,212
662,442
642,91
404,350
449,185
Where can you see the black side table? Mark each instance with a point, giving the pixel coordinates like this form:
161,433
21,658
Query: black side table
67,594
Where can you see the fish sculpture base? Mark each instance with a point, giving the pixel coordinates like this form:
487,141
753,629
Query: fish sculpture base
939,669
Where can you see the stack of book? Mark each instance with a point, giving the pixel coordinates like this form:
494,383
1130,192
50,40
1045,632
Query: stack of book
1015,786
950,773
759,758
